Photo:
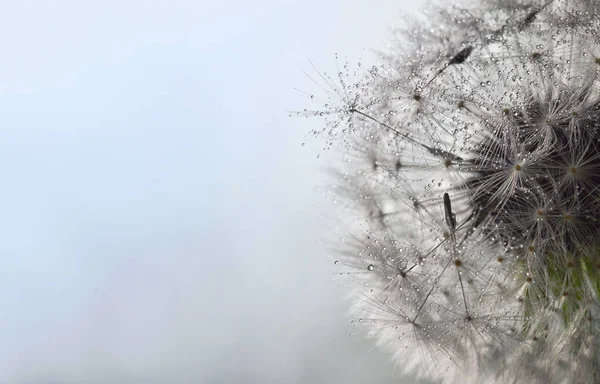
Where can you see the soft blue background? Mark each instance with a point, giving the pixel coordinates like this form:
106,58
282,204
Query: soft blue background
159,217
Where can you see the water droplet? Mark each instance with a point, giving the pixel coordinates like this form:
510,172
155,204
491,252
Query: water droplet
336,262
370,267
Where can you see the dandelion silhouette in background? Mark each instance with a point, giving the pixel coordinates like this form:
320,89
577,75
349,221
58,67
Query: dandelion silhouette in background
472,165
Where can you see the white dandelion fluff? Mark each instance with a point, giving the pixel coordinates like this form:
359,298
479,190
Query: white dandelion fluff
472,167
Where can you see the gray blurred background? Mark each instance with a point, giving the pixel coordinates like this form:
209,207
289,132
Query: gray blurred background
160,219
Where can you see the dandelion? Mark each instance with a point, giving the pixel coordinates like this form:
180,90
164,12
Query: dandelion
472,167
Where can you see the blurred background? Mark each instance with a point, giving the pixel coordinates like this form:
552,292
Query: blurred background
160,218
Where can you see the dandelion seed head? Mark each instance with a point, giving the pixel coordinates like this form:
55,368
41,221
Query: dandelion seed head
472,170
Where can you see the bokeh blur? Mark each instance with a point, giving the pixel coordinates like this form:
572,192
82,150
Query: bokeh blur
160,218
